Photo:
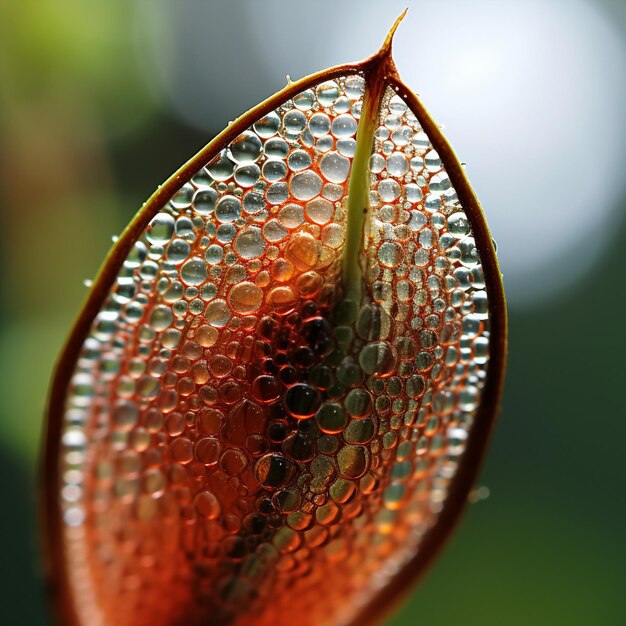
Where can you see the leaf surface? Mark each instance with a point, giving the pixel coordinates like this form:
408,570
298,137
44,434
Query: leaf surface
273,405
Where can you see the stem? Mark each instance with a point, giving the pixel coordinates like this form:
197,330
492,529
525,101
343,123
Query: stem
359,184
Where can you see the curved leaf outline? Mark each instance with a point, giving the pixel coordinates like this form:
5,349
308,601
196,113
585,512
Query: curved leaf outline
379,68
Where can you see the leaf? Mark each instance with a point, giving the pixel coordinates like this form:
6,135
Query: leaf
273,405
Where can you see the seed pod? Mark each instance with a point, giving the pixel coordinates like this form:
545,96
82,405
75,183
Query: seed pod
274,403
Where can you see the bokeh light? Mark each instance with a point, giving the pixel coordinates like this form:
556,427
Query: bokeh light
517,85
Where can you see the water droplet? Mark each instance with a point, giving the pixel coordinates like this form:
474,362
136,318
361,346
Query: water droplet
228,209
378,359
194,271
320,211
327,93
319,124
299,160
344,126
334,167
249,243
217,313
160,229
358,403
353,461
331,418
207,505
302,401
274,471
397,164
245,297
267,126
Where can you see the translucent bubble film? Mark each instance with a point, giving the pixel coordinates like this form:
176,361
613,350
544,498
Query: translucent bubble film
239,436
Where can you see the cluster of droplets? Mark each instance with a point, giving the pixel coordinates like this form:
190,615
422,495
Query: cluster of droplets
235,428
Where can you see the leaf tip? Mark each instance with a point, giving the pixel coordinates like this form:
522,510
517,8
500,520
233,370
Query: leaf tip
386,47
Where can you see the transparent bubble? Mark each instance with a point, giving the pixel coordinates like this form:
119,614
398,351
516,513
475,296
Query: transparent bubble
320,211
324,144
304,100
355,87
360,430
402,136
228,209
202,178
273,171
204,201
358,403
327,93
247,175
397,164
217,313
353,461
389,190
344,126
274,231
299,160
319,124
178,251
249,243
440,183
294,122
346,147
421,142
331,418
413,193
377,163
184,227
390,254
432,161
334,167
246,148
277,193
332,192
194,271
469,253
214,254
207,505
136,256
342,105
373,322
333,235
276,148
458,225
274,471
291,216
208,450
125,417
302,400
253,202
221,168
417,164
182,198
267,126
305,185
160,229
377,359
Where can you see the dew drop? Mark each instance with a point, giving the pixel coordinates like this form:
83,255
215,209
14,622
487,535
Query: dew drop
249,243
274,471
245,297
194,271
334,167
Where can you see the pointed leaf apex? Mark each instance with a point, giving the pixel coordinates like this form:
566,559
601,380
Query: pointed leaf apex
385,49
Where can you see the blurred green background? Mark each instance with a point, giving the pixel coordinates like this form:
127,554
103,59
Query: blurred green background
91,120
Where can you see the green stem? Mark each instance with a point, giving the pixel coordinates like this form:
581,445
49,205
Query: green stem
358,198
358,205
